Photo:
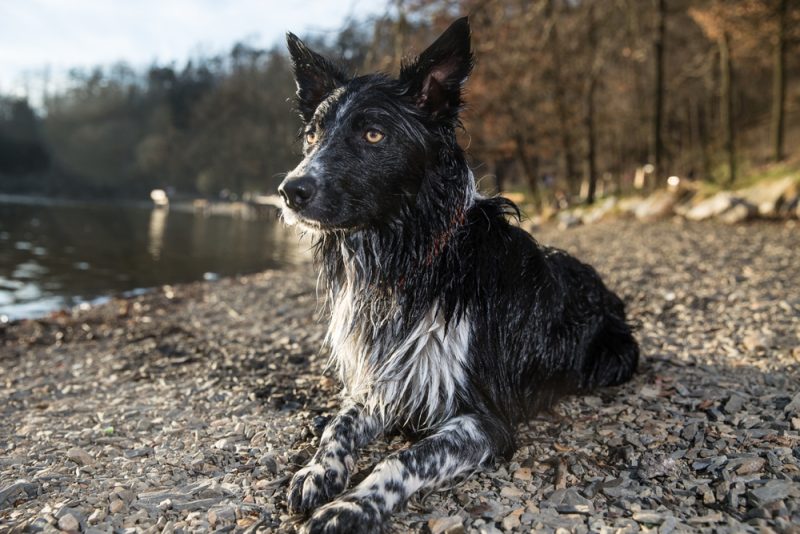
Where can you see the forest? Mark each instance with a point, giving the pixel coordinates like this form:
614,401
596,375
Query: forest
568,99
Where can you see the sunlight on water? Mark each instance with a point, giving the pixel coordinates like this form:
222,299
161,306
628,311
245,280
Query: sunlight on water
59,256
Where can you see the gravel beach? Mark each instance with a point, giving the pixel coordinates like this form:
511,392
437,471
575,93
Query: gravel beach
189,408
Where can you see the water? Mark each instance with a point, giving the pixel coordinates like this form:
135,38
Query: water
58,256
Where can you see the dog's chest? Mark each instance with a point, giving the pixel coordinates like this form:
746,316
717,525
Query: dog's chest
411,380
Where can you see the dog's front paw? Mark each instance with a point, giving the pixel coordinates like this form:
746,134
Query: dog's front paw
315,485
344,516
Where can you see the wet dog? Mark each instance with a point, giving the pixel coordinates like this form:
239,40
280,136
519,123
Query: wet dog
447,321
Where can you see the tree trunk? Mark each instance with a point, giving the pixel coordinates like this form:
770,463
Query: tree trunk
528,168
658,100
591,149
561,106
779,83
726,103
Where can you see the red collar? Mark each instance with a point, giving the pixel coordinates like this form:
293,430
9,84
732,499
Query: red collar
440,241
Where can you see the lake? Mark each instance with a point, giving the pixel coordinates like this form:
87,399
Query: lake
58,255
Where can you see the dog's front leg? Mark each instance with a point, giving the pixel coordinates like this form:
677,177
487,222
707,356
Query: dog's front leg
460,447
327,473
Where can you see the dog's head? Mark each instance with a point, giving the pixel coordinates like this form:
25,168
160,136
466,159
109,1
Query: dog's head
368,141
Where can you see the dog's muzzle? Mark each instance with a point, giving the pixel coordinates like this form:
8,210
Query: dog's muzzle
298,192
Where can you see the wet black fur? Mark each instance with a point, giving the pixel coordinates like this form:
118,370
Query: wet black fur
543,324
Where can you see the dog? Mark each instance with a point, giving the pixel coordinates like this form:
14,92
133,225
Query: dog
448,322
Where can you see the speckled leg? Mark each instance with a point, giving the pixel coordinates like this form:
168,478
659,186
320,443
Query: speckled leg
327,473
461,446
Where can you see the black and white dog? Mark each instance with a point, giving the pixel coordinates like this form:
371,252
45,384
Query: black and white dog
447,321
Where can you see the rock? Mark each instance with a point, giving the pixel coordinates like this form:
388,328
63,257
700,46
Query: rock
80,456
768,197
510,491
221,515
16,490
523,473
648,518
568,501
567,220
269,462
739,213
599,211
657,206
116,506
747,466
689,431
97,516
651,466
774,490
69,523
511,521
734,404
711,207
756,340
446,525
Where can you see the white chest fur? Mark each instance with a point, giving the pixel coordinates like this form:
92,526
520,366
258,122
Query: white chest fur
417,376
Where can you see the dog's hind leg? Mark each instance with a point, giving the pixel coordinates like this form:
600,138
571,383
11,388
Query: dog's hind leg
327,473
613,357
459,447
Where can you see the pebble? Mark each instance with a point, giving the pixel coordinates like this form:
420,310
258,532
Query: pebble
775,490
446,525
80,456
69,523
523,473
510,491
734,404
116,506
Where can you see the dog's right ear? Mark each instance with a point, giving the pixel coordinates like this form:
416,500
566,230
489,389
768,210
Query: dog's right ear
436,77
316,77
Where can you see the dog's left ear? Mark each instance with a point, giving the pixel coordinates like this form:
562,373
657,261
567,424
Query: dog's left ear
436,77
316,77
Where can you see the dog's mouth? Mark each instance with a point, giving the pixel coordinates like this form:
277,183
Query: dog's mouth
315,226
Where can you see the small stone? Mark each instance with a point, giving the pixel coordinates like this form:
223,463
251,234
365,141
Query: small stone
648,518
446,525
97,516
774,490
734,404
689,431
222,515
756,340
116,506
747,466
80,456
69,523
523,473
225,444
166,504
510,491
511,521
269,462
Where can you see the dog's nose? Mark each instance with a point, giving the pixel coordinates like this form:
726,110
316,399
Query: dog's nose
298,192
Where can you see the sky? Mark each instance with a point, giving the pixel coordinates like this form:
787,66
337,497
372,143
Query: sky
56,35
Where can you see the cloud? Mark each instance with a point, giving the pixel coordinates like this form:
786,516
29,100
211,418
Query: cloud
60,34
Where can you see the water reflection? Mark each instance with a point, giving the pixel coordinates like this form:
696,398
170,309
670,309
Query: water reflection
155,233
57,256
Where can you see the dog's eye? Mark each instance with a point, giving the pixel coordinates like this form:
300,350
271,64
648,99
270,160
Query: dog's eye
373,136
311,138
